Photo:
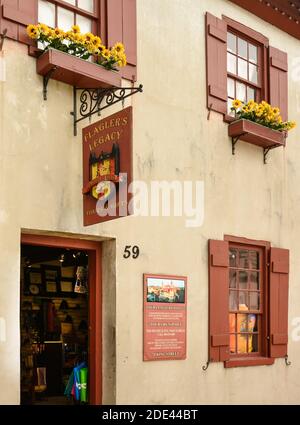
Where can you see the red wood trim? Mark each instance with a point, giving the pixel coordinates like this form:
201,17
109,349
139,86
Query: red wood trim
246,241
217,33
228,118
267,13
220,340
16,15
95,300
249,32
249,361
279,339
282,263
283,66
217,92
75,9
95,327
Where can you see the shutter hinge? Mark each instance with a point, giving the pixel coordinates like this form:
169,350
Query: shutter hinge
206,366
287,362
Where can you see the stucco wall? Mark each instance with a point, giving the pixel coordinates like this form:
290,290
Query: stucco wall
40,187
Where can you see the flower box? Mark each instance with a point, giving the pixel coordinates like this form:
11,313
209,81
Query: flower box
256,134
75,71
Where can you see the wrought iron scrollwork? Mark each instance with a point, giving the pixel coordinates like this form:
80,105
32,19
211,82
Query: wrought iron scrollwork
93,101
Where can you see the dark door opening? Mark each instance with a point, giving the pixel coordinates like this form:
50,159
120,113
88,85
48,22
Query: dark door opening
60,321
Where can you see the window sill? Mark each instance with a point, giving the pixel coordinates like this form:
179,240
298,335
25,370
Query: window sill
256,134
249,361
75,71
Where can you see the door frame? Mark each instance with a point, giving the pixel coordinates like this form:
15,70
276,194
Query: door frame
95,301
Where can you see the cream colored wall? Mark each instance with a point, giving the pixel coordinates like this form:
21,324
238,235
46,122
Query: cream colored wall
40,186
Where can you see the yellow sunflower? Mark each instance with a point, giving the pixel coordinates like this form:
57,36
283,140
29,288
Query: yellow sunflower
119,47
96,42
106,54
59,33
76,29
32,31
236,104
44,29
89,37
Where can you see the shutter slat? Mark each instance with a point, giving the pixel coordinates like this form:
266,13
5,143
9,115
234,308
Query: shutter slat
129,30
278,67
216,63
15,15
121,26
218,301
279,294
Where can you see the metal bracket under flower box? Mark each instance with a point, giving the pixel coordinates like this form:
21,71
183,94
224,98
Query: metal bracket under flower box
256,134
93,101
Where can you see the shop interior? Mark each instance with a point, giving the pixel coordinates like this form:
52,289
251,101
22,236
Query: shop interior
54,318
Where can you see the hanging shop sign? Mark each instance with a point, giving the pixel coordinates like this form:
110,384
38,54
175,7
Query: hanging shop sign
107,168
164,317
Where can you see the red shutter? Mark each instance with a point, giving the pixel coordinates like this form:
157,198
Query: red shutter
278,67
15,15
279,293
121,26
216,63
218,301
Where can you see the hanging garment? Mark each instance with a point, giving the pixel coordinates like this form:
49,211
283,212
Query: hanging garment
84,385
70,385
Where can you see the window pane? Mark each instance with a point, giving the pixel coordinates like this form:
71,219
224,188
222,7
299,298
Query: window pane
241,92
232,322
229,106
231,42
242,68
252,325
233,300
244,262
254,280
86,5
242,48
232,257
230,88
250,94
84,23
243,300
253,343
254,300
242,344
252,53
231,63
253,74
65,19
73,2
242,325
232,342
253,260
232,279
46,13
243,279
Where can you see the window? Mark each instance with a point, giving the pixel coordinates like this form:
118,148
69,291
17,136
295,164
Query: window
67,13
241,64
244,70
246,290
248,302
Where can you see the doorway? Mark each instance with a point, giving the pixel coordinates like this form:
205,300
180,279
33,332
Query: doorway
60,320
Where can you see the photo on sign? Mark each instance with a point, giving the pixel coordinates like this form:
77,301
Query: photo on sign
165,290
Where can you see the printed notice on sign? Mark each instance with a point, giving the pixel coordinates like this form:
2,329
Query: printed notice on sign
164,317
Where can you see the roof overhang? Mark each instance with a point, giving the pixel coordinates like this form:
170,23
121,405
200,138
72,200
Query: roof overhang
284,14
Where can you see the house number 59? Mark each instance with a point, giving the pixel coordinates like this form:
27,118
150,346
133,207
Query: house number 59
131,251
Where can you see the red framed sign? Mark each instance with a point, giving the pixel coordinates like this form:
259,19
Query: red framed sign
165,300
107,168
